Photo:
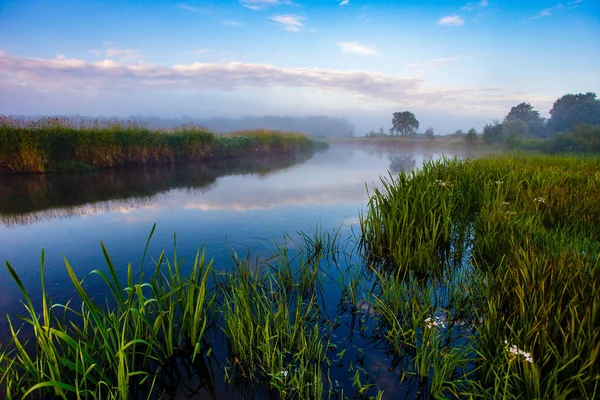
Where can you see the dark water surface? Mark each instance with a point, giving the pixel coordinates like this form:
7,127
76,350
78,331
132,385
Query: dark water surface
242,205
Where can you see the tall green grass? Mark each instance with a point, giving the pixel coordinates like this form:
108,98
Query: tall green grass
477,278
55,144
86,349
529,228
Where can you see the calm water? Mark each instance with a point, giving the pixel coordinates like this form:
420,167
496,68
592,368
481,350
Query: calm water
238,205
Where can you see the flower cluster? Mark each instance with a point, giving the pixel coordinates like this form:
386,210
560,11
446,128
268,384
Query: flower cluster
498,182
442,183
433,322
284,373
506,203
516,352
539,200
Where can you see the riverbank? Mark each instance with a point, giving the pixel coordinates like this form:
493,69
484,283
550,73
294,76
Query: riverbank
475,278
61,144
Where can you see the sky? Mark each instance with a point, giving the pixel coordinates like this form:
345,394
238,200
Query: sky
454,64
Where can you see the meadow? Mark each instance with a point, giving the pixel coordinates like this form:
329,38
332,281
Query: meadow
470,278
56,144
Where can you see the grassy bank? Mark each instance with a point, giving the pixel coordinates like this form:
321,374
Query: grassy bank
60,144
470,279
529,228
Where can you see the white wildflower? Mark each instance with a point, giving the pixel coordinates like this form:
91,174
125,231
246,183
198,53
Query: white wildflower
539,200
433,322
516,352
498,182
284,373
506,203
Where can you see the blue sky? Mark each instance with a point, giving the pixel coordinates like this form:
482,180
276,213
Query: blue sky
455,64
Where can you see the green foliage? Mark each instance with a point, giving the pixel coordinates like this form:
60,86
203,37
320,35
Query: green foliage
582,138
573,109
429,134
404,123
57,144
526,113
533,286
493,133
514,131
85,350
471,136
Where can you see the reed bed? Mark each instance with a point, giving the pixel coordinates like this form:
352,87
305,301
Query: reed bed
59,144
529,230
470,278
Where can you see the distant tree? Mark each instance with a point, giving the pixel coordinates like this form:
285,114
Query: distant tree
429,133
492,133
381,131
572,109
458,133
526,113
514,131
471,136
404,123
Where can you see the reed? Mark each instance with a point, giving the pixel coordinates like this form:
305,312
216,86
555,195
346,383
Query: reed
88,350
525,231
56,144
477,278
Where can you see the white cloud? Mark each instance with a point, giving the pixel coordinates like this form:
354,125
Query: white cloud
201,51
344,2
230,22
451,20
68,77
476,5
357,48
541,14
260,4
291,22
187,7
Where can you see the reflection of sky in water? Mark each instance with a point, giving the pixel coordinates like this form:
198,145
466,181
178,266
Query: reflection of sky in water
240,211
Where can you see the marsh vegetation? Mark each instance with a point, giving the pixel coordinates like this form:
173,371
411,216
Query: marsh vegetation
464,279
56,144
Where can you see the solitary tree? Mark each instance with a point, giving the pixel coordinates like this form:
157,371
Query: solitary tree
526,113
471,136
572,109
404,123
429,133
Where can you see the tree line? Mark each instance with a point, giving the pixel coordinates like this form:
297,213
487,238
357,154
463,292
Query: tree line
574,125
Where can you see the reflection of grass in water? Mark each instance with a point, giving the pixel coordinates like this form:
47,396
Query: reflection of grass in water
26,199
446,273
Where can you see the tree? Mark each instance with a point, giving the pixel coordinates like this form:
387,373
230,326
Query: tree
526,113
404,123
572,109
471,136
514,131
429,133
493,133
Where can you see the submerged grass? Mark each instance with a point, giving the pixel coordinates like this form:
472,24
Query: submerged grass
57,144
473,278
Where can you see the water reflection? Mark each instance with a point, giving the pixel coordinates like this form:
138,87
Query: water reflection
32,198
